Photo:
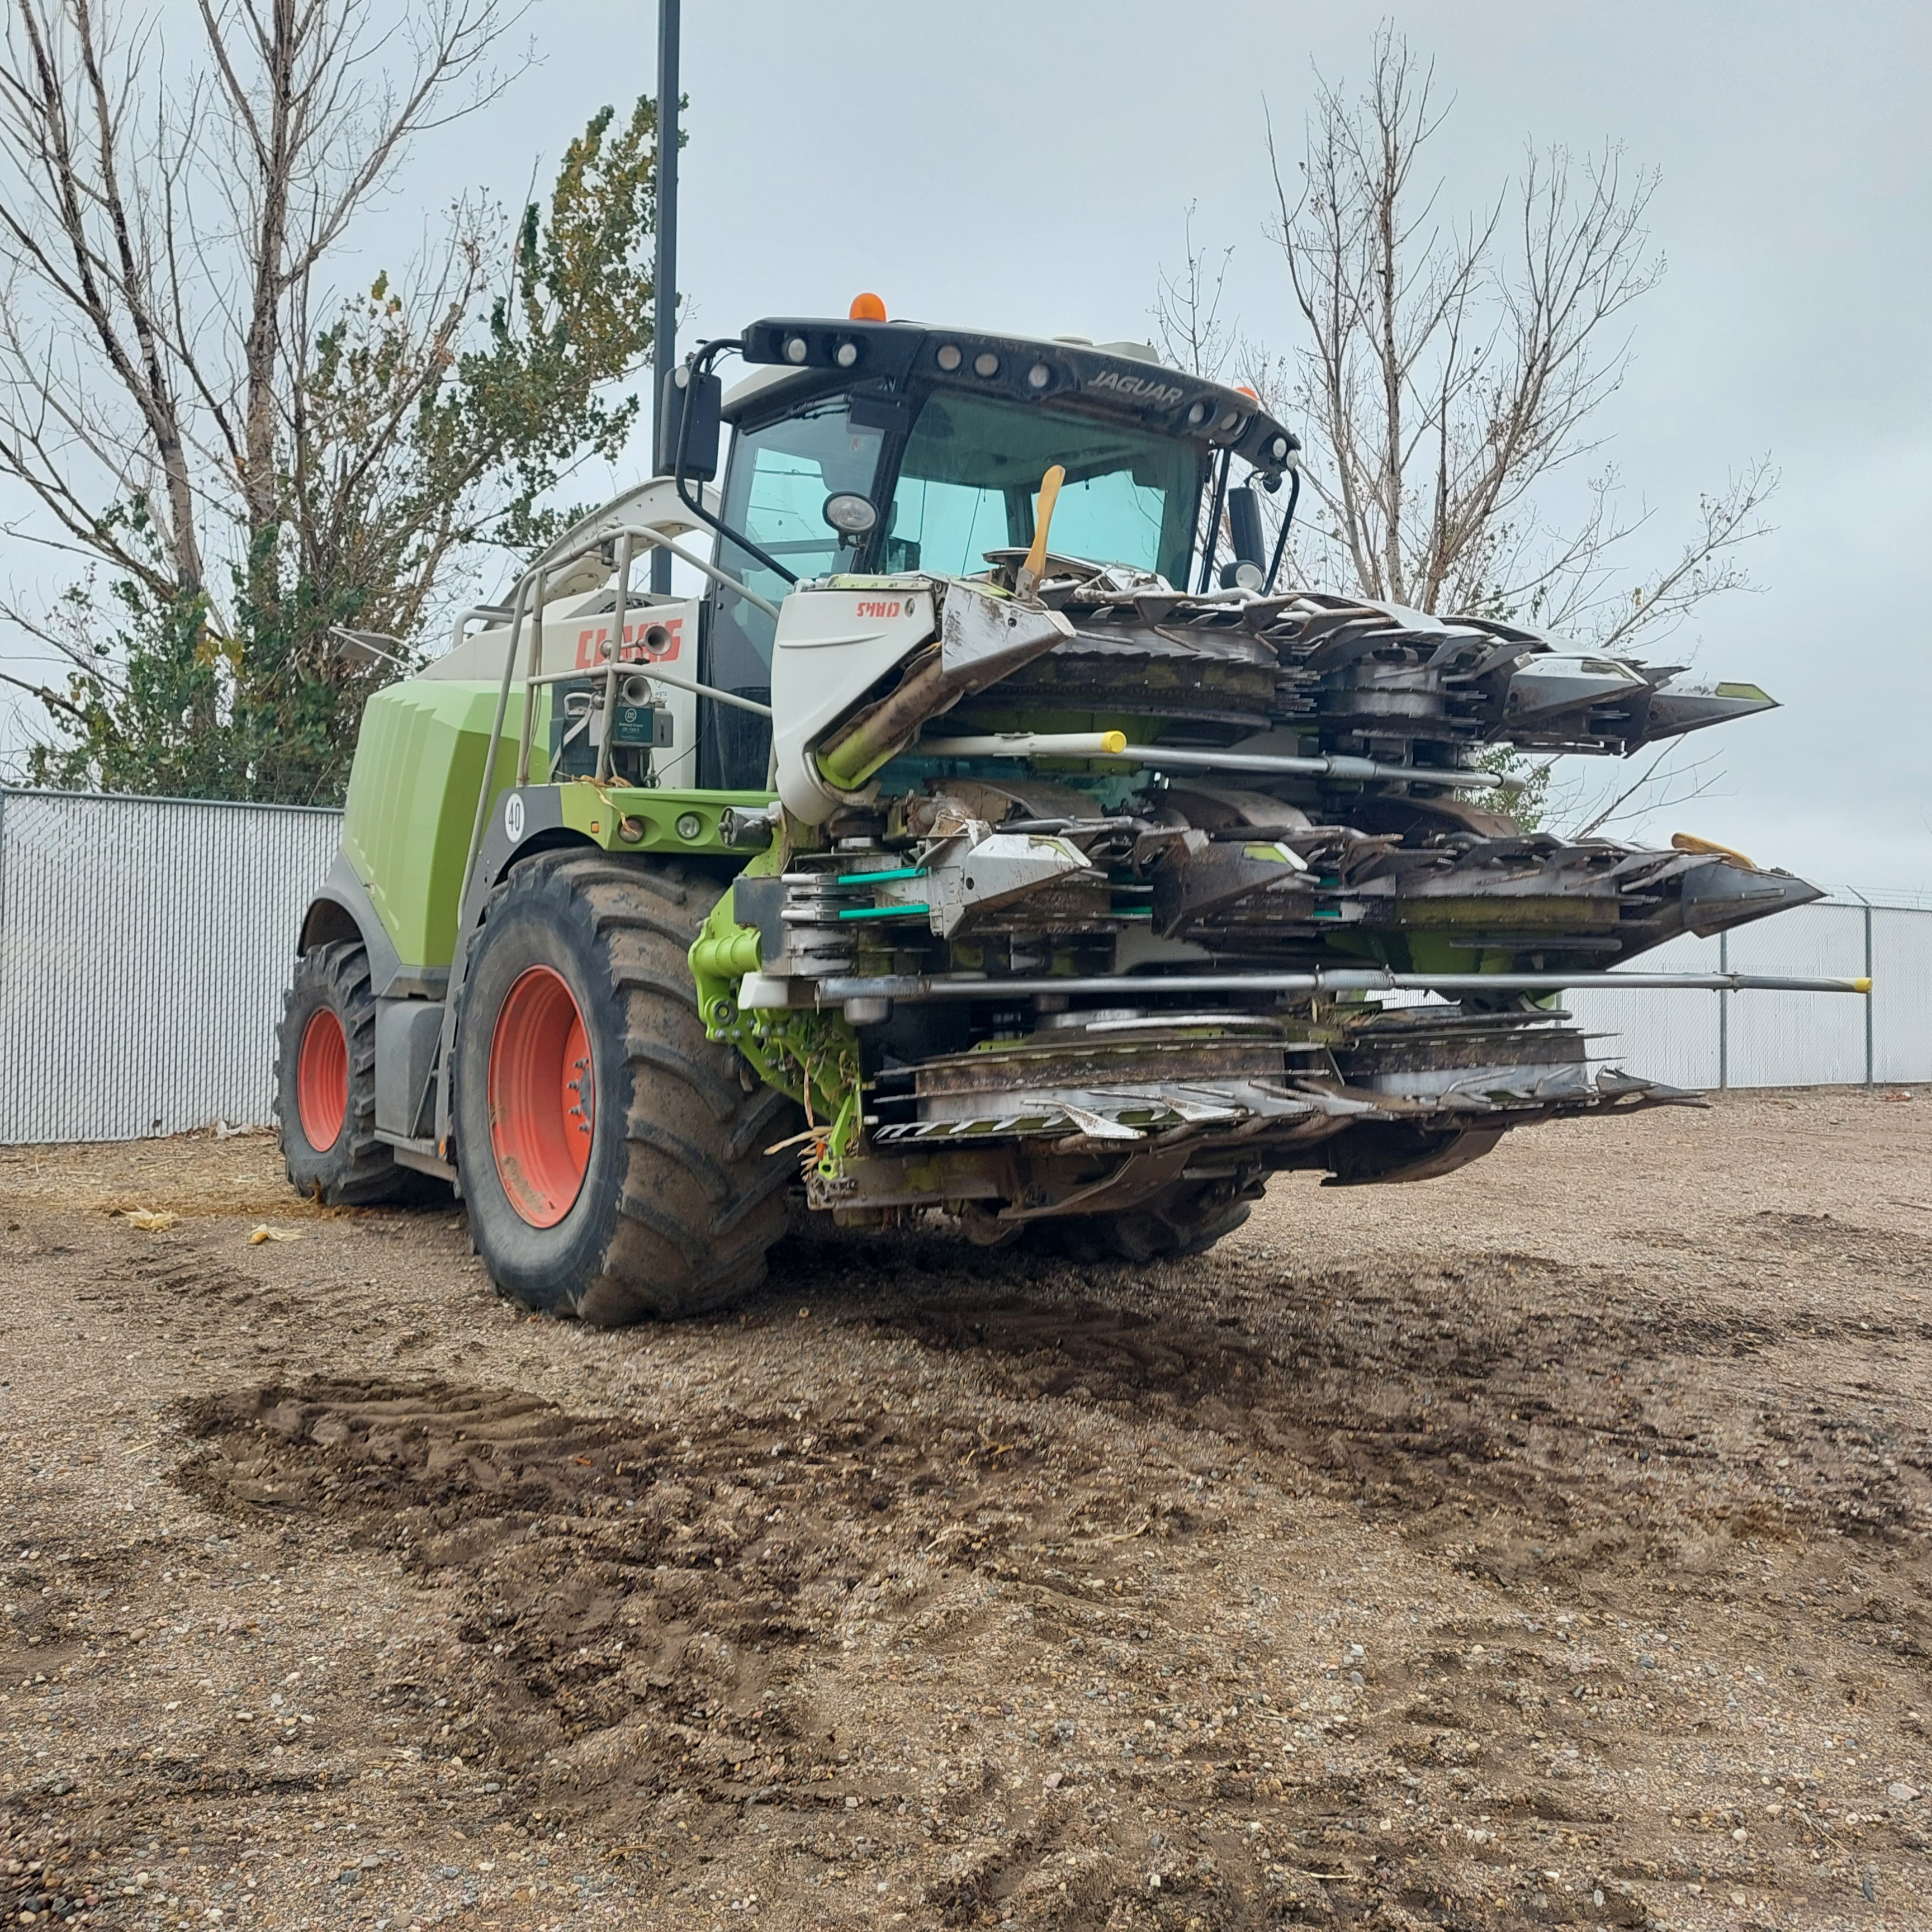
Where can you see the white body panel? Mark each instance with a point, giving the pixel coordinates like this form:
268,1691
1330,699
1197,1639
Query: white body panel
574,630
832,646
576,637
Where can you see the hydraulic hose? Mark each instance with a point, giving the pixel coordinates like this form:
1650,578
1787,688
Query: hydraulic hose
1281,542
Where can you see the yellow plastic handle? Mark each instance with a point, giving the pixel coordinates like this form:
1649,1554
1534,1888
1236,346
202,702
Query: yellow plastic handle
1049,495
1689,841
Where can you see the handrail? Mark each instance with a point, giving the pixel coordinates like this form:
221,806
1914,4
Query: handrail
532,675
606,746
459,958
641,533
537,579
490,750
711,571
627,534
644,667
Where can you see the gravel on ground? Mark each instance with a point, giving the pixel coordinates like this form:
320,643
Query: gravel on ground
1547,1544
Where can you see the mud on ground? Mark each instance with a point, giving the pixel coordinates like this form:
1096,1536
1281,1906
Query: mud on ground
1543,1545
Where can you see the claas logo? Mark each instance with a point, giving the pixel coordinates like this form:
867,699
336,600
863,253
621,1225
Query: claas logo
649,642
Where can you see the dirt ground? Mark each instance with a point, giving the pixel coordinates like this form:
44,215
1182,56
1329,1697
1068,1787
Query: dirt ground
1543,1545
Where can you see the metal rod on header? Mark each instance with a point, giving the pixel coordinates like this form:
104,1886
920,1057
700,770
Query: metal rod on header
1348,979
664,341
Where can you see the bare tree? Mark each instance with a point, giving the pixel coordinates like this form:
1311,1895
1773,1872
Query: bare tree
166,227
1449,380
1187,311
1450,372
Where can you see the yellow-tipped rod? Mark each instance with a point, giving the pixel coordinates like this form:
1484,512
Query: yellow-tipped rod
1689,841
913,987
1026,579
1029,745
1164,757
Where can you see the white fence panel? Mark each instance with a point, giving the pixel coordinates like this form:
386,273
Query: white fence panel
1901,993
145,947
1780,1039
1668,1036
1794,1039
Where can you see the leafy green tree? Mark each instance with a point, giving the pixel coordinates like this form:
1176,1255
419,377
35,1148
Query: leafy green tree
279,462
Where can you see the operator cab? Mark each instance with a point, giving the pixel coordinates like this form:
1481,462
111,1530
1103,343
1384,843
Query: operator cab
867,447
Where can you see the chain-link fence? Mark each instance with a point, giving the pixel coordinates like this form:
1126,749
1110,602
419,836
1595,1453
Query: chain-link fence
144,946
146,943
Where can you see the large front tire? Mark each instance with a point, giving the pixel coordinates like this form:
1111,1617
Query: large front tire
326,1084
612,1158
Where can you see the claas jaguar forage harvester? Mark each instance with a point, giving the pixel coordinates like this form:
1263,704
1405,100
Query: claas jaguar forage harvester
989,833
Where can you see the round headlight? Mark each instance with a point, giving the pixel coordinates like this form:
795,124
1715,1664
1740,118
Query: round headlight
949,357
1039,375
850,514
1197,415
985,363
796,348
846,354
690,826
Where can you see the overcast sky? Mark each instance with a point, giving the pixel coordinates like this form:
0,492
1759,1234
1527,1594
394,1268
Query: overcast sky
1029,166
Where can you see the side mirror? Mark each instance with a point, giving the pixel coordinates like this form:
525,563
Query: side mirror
1244,523
702,401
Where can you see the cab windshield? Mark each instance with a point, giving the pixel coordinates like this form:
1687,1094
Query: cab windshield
969,480
964,480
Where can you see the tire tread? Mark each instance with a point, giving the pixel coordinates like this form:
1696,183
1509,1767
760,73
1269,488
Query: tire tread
364,1171
699,1202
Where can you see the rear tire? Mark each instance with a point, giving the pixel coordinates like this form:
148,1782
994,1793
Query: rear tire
326,1084
612,1158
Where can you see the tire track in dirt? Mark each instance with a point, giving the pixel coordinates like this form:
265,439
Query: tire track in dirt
1426,1400
649,1581
651,1599
646,1603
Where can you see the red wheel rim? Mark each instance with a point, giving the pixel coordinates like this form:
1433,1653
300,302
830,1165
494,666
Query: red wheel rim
543,1112
322,1080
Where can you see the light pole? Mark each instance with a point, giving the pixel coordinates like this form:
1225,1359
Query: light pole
663,345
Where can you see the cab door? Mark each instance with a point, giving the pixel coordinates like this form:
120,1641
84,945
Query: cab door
781,473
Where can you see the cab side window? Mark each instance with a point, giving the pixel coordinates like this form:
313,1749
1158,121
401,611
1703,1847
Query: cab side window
775,492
